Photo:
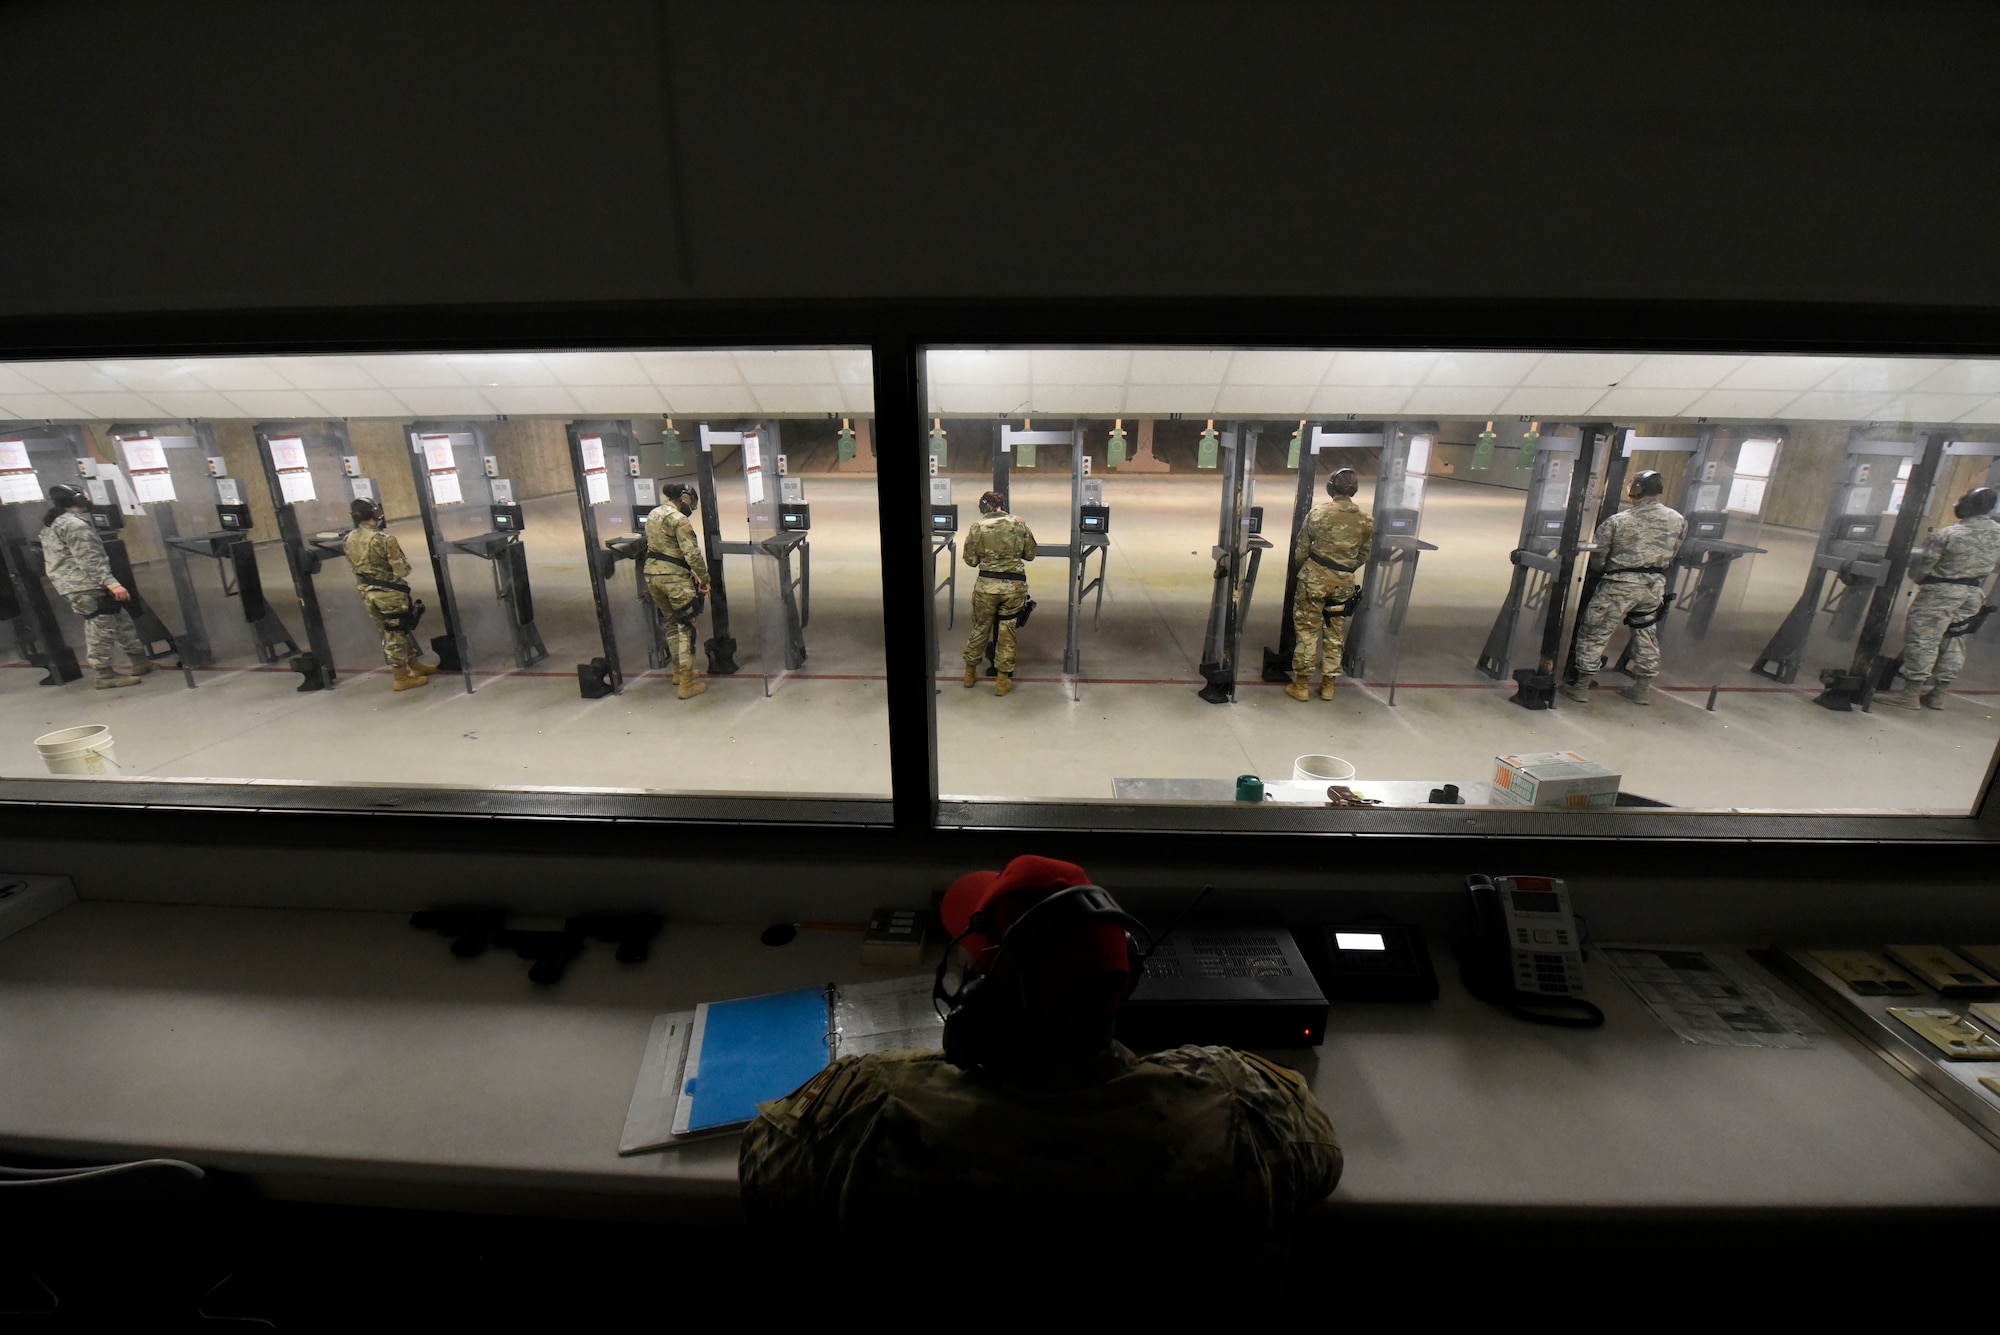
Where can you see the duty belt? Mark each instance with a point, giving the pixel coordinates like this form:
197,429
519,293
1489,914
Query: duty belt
373,583
1636,570
1013,576
1974,580
1317,559
671,560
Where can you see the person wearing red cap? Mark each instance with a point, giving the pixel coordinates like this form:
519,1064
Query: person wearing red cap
1033,1113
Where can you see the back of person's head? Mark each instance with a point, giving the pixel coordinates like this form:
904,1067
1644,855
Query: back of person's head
1049,960
63,498
1344,482
1976,502
362,510
1646,483
992,502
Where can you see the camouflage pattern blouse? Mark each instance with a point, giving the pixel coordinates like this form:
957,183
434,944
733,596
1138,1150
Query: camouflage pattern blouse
1204,1133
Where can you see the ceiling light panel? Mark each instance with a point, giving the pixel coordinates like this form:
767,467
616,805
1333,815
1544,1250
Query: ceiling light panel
66,377
275,403
411,371
735,400
1264,400
1162,400
798,398
1988,411
1644,404
1825,406
786,366
513,369
1453,401
1793,373
596,368
320,372
192,403
1679,372
1381,368
1963,377
358,403
1504,369
617,400
529,400
234,373
1366,400
1884,374
1266,366
689,368
107,406
1740,403
1080,366
1084,400
1578,369
1192,367
35,407
973,366
445,401
1549,401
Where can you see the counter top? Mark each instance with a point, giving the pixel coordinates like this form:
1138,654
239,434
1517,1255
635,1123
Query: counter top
348,1056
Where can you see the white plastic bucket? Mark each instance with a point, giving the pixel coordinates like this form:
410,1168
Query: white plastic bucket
84,750
1322,769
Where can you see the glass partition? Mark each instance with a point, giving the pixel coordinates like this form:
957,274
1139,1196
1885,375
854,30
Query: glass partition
513,563
1407,578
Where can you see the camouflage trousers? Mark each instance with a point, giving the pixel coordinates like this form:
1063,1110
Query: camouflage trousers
1317,632
674,594
1001,600
1614,600
398,646
103,635
1928,654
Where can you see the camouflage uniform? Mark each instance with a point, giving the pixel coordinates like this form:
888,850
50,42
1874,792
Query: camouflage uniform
998,545
375,555
1970,550
1648,538
1220,1139
1341,534
675,572
74,557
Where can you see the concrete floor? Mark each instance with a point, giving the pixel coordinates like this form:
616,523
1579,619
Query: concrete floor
1134,712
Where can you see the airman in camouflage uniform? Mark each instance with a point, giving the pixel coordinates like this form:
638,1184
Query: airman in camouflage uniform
381,573
677,576
1951,573
1635,548
1199,1136
1333,547
1000,547
78,567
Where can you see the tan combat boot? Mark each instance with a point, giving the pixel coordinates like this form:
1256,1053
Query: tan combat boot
1637,691
1910,697
109,679
1003,683
1301,687
1326,685
407,680
1934,697
690,685
971,675
421,668
140,667
1578,690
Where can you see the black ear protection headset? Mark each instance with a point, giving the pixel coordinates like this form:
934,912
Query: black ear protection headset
972,1011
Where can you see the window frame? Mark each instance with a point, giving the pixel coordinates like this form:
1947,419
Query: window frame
897,335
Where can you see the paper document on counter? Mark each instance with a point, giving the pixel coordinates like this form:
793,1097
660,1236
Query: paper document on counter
886,1017
1709,998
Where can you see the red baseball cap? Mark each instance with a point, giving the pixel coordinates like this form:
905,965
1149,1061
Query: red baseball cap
1003,896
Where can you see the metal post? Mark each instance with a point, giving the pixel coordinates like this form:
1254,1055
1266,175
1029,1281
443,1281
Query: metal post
1536,686
301,563
721,647
1072,654
600,595
440,558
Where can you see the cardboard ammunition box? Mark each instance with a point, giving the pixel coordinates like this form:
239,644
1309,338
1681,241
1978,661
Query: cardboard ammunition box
1561,779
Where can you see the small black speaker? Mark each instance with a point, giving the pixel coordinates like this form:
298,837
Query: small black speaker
593,679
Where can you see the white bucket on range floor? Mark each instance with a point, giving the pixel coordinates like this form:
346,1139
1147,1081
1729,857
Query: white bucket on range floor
1322,769
84,750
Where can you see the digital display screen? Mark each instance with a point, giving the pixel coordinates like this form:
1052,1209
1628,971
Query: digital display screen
1359,941
1530,901
1093,523
941,521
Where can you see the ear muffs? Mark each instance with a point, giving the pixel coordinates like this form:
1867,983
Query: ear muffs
974,1009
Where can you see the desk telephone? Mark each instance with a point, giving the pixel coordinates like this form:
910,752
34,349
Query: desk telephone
1525,952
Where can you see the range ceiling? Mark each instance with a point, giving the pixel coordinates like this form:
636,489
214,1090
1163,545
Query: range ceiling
1558,385
1195,382
735,383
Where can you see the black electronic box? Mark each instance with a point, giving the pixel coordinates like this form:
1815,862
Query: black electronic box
795,517
1256,522
1096,519
507,519
1239,981
944,519
1373,961
1708,525
233,518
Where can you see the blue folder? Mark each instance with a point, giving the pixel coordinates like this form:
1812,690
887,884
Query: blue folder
754,1049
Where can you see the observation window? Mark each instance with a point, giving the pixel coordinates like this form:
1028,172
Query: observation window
1177,612
220,493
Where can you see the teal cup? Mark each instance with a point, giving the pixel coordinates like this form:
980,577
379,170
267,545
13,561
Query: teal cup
1249,788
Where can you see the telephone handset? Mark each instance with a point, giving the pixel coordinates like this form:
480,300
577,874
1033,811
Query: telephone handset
1525,952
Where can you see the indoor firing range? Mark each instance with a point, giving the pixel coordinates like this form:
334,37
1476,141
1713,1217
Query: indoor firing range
1163,488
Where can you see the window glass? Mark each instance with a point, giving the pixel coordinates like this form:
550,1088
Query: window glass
1510,620
508,626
